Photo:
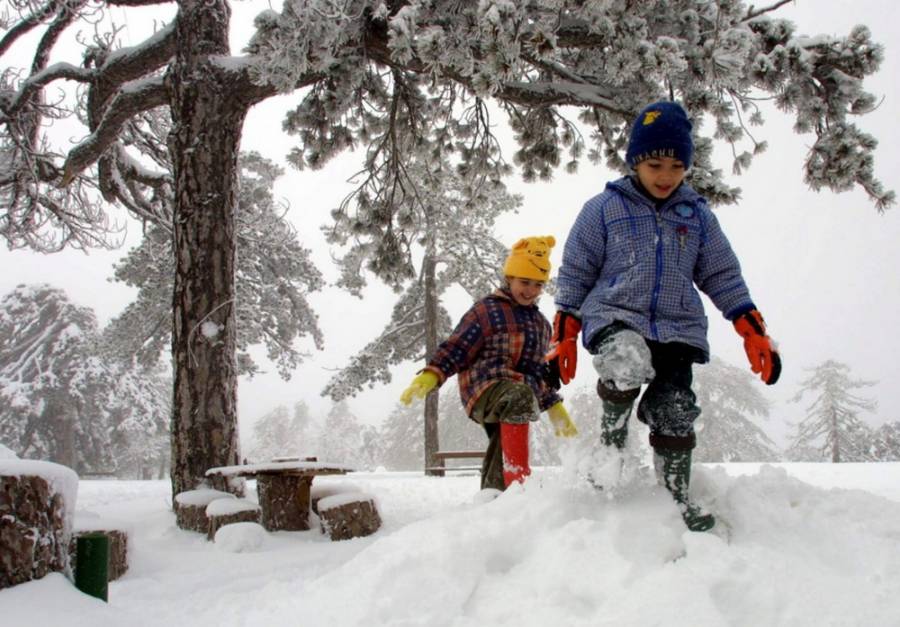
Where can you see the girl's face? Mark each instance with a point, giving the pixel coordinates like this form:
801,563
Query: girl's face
660,176
525,291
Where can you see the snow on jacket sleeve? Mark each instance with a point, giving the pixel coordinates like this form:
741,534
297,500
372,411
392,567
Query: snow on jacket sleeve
582,256
718,271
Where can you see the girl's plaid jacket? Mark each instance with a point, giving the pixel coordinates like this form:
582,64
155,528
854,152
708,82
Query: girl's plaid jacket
497,339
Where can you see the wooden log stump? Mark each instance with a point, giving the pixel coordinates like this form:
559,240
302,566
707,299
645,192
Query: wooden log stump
349,515
284,499
190,508
35,520
118,546
317,493
223,512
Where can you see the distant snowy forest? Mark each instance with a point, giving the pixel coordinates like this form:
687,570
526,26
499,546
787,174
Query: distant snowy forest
72,393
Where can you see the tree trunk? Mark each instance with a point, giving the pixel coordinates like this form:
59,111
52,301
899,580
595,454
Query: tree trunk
431,341
207,115
835,444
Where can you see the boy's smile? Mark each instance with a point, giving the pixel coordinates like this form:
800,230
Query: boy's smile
525,291
661,176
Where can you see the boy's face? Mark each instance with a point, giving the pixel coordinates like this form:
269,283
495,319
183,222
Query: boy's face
660,176
525,291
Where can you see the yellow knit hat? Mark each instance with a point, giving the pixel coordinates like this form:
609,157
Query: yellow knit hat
530,258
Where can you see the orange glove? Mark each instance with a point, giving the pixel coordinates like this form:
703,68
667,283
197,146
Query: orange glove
563,355
761,351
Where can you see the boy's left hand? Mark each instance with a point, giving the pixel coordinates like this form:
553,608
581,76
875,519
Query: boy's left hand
562,423
760,348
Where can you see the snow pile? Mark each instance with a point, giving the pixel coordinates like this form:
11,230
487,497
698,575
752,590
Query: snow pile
555,551
241,537
7,453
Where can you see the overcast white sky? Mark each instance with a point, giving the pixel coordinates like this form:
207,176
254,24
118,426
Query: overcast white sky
821,267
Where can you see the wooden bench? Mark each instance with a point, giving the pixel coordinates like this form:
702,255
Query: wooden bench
443,456
283,489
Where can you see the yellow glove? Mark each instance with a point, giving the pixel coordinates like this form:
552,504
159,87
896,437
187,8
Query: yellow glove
420,387
562,423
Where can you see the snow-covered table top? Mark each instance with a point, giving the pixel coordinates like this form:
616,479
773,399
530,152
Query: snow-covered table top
298,468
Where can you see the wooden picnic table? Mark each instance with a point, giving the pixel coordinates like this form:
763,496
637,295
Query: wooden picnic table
283,489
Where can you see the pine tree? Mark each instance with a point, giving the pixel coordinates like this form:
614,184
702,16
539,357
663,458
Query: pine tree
401,436
887,442
302,428
340,440
728,397
832,425
273,436
453,221
65,398
50,379
138,413
274,275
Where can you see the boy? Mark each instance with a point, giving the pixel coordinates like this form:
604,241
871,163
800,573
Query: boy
627,282
498,351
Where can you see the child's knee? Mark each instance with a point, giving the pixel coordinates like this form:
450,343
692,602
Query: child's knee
516,403
623,360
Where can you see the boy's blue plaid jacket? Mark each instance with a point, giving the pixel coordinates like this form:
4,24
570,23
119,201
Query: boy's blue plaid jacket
497,339
625,260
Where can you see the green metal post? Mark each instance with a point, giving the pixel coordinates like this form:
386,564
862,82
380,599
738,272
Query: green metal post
92,564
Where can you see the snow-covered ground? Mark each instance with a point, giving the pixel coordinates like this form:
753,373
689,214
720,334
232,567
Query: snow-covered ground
808,544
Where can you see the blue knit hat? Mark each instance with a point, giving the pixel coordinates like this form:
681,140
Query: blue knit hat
662,129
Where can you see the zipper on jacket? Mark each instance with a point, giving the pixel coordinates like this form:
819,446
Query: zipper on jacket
654,300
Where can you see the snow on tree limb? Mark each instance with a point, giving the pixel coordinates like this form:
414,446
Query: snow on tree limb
131,99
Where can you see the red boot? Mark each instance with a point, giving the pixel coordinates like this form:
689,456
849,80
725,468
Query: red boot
514,446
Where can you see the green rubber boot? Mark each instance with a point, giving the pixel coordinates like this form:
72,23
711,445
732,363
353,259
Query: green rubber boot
614,424
673,471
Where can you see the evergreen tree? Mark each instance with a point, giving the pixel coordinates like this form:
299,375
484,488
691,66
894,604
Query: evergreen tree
273,436
340,440
401,436
453,221
52,385
274,275
728,397
832,425
138,413
887,442
65,398
302,428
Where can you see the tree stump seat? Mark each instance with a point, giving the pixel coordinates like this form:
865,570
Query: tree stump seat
118,541
349,515
283,489
223,512
37,501
318,492
190,508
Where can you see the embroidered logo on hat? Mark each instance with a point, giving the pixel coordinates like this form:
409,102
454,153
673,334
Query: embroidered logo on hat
650,117
661,129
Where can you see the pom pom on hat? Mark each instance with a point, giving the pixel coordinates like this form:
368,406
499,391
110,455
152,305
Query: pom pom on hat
530,258
662,129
